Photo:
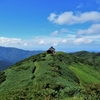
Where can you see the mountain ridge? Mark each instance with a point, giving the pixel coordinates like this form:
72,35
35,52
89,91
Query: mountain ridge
4,65
9,56
46,76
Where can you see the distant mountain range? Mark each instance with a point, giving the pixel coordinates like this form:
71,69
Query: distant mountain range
9,56
4,65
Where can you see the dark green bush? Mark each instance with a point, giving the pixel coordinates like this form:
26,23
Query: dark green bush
2,77
92,90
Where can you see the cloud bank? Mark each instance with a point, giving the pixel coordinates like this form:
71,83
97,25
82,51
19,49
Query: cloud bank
92,30
70,17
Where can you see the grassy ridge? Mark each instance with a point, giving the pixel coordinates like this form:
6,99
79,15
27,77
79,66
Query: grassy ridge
48,77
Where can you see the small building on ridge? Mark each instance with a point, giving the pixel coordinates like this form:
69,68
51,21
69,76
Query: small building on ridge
51,50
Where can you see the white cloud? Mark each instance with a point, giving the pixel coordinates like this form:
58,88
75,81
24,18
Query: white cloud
52,16
79,6
95,37
25,44
55,44
64,41
70,18
60,32
9,41
55,33
63,30
78,41
92,30
47,41
42,42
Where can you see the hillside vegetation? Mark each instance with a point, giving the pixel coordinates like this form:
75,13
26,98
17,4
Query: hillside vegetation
58,76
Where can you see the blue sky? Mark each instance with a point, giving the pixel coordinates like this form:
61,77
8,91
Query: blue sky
68,25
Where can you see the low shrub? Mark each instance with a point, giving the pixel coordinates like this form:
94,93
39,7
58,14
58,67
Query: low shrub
2,77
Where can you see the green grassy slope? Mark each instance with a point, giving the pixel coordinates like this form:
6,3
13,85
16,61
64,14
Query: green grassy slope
86,74
91,58
47,77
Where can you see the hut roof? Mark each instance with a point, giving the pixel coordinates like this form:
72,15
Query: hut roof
51,49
